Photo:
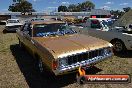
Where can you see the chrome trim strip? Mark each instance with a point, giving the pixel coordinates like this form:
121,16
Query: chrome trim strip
82,63
85,52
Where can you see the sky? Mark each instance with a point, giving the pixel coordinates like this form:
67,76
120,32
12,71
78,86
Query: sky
51,5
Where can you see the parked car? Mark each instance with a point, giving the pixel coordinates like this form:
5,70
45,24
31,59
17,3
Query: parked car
61,49
37,19
94,24
13,24
120,37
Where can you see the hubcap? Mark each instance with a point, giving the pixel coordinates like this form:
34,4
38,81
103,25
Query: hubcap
118,46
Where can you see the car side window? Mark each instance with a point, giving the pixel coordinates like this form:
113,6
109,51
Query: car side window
27,29
30,29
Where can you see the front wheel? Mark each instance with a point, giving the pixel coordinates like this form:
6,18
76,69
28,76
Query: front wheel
118,46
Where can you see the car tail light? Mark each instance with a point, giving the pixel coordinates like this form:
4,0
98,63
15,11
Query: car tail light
54,65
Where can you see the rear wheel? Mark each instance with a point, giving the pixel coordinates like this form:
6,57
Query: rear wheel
118,46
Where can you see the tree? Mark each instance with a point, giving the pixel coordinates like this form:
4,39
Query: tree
72,8
21,6
85,6
117,13
126,9
88,5
17,1
62,9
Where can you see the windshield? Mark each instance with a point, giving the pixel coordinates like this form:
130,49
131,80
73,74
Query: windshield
13,21
43,30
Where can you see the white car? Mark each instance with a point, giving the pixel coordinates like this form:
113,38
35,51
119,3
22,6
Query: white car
13,24
119,37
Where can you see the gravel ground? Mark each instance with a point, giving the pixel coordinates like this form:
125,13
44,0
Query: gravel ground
18,69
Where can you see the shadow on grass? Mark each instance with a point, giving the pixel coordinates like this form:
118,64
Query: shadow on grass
5,31
32,76
125,54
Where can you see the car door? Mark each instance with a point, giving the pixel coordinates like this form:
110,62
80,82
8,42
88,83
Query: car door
20,34
27,34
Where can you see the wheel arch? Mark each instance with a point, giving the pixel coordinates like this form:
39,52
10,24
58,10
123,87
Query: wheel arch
115,39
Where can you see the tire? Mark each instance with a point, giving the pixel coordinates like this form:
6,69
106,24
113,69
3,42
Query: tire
5,31
118,46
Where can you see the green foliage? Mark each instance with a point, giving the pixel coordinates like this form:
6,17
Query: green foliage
117,13
126,9
85,6
22,6
62,9
72,8
120,13
88,5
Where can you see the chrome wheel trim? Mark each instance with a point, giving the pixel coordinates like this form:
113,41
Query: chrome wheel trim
118,46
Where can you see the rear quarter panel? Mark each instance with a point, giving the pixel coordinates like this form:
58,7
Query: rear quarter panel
35,48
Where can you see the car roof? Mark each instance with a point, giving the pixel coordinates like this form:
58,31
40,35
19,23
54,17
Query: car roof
13,19
46,22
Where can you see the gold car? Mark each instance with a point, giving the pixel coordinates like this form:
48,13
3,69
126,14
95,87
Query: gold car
61,49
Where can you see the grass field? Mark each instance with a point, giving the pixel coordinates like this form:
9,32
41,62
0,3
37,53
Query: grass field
18,69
